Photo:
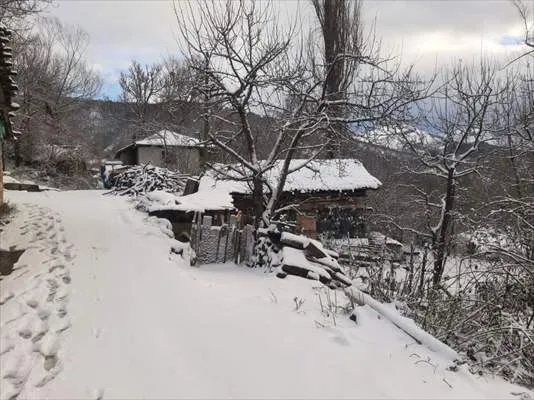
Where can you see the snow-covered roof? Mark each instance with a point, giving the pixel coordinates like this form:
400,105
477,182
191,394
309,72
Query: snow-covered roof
213,200
321,175
314,176
168,138
325,175
202,201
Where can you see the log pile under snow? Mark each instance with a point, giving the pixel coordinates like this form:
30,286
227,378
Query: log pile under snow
307,258
139,179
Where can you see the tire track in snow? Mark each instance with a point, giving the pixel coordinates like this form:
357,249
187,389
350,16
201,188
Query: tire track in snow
33,302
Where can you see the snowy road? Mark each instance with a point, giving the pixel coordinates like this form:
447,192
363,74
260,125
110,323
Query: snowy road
143,324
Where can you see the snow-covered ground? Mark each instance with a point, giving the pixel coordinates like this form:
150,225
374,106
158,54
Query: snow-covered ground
98,307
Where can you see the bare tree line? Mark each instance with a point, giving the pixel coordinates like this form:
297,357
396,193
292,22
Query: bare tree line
53,78
14,13
249,63
469,196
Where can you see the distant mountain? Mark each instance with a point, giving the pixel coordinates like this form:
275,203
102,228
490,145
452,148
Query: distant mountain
388,139
106,125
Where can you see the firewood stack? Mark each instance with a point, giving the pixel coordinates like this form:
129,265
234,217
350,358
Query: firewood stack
307,258
138,180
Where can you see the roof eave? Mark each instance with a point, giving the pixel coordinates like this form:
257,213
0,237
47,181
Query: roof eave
123,149
313,190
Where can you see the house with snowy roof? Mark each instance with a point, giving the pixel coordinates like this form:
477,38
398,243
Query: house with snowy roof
327,196
164,149
320,196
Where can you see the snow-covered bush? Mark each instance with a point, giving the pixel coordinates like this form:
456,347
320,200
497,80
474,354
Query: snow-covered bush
484,308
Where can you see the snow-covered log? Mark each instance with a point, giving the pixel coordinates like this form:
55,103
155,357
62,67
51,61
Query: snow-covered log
307,258
404,324
294,241
295,262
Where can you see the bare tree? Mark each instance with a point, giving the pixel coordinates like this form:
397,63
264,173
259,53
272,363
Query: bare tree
463,116
527,16
178,81
512,209
141,86
13,12
343,46
251,65
53,78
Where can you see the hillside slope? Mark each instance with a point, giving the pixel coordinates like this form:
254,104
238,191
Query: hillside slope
130,319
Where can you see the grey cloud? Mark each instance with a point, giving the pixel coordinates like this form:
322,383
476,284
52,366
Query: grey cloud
123,30
143,27
463,17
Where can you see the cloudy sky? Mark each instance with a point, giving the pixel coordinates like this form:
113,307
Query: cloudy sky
422,31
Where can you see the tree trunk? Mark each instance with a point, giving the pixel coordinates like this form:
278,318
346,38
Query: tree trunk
410,270
204,132
257,200
440,247
423,271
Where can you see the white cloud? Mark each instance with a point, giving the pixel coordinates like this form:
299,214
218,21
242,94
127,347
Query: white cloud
423,31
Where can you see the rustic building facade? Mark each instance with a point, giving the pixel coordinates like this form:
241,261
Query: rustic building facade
164,149
324,196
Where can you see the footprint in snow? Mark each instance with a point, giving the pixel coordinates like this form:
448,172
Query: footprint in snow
32,303
43,313
52,287
56,266
62,295
62,311
6,345
5,297
66,279
20,274
60,325
14,366
341,340
50,362
55,369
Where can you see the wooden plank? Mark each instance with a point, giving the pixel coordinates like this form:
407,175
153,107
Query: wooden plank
21,186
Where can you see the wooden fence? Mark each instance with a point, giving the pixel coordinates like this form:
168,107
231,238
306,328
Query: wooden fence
221,243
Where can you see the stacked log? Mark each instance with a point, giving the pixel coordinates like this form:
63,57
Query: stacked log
307,258
138,180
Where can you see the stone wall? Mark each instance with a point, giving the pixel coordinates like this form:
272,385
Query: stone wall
184,159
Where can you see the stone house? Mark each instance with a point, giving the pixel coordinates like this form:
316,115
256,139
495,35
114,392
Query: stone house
164,149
